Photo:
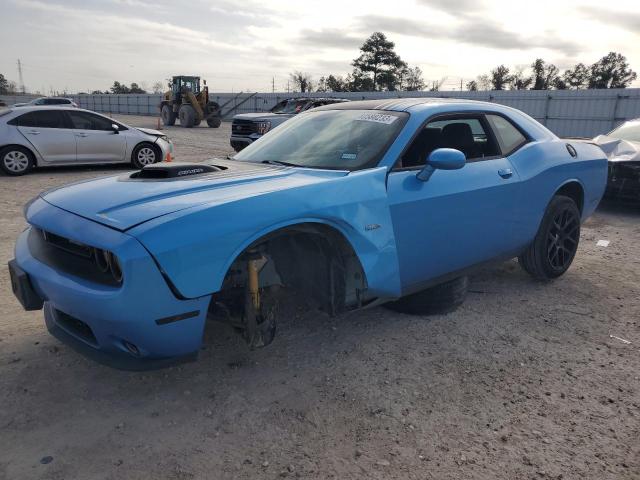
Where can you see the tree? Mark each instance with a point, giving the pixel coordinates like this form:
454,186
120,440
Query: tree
519,80
577,77
378,62
136,89
412,80
301,81
119,88
500,77
545,75
4,85
472,86
484,82
157,88
611,71
336,84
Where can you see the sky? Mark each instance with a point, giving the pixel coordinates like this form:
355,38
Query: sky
252,45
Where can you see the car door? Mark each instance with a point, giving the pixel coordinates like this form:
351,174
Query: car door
49,133
96,139
458,218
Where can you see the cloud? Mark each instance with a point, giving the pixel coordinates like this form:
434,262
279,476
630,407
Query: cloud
454,7
470,30
329,37
627,20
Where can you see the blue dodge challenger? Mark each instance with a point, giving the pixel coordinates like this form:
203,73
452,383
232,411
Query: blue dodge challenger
346,206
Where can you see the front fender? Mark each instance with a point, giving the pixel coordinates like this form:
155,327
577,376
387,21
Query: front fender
195,247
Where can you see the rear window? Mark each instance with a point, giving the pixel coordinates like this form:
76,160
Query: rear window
89,121
40,119
509,137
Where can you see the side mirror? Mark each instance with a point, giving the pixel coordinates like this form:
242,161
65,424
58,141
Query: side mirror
442,159
115,128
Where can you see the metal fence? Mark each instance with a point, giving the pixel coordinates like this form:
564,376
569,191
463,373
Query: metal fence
582,113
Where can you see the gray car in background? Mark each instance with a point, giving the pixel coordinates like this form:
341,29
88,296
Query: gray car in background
42,101
51,136
248,127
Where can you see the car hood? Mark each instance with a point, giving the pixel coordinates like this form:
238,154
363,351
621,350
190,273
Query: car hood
122,202
257,117
150,131
618,150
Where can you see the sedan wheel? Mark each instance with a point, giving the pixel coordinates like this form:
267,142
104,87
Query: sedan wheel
15,161
144,155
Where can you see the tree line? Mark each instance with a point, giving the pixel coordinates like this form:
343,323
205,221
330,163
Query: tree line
380,68
611,71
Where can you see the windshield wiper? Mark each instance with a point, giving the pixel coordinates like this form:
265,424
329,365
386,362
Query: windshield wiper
278,162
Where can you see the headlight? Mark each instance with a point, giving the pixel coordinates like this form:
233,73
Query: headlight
263,127
108,262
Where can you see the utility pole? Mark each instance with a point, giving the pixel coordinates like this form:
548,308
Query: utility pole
20,77
460,84
273,84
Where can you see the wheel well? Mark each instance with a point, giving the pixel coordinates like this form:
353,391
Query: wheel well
314,259
574,191
34,157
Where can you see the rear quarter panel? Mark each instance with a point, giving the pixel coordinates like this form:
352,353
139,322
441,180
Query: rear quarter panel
544,167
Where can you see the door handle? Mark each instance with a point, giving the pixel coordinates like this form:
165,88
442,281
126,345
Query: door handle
82,134
33,132
505,172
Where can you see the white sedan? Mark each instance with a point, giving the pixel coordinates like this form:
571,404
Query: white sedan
50,136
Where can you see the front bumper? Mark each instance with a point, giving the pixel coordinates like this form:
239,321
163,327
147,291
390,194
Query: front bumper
166,146
139,324
238,142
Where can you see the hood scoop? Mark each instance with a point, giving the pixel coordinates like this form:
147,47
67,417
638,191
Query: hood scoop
166,170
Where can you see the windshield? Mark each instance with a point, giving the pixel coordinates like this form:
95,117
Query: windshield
333,139
290,106
629,131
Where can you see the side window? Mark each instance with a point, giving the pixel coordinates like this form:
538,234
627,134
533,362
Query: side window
466,134
509,137
41,119
89,121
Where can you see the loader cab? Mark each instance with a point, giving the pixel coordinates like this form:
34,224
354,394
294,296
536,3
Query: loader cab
184,83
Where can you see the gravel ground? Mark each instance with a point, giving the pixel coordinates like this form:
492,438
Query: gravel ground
525,381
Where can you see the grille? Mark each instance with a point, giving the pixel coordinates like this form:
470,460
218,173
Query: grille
244,127
67,256
76,327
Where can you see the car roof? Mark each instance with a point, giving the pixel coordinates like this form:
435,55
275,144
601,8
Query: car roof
29,108
403,104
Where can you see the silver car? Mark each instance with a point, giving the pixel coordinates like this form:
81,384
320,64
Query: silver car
49,136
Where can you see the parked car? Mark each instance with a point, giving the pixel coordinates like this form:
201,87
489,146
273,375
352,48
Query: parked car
246,128
48,101
51,136
348,205
622,146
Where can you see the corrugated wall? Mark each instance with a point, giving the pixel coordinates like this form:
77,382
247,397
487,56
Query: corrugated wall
582,113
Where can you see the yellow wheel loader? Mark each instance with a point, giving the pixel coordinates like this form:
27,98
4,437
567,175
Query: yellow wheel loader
188,103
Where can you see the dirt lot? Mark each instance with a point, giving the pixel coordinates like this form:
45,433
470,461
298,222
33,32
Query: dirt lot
523,382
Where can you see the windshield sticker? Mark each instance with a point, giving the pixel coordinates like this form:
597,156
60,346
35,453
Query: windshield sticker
377,118
349,156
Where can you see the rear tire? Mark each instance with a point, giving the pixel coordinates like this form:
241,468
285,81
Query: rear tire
16,160
145,154
214,122
168,116
443,298
554,247
187,116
